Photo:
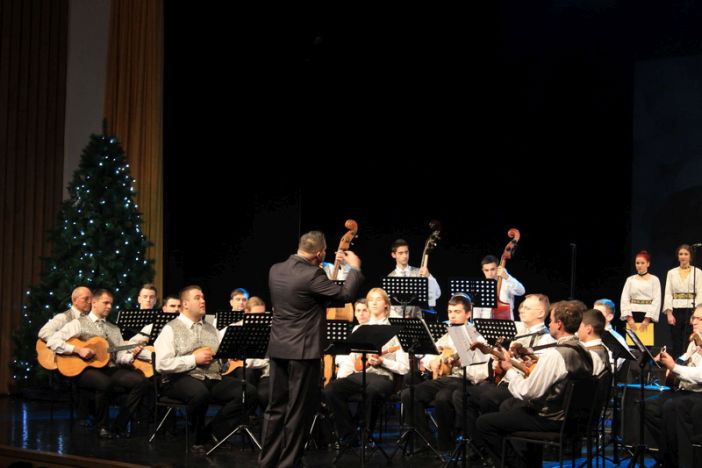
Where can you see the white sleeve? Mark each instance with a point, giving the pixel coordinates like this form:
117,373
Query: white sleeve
624,304
668,298
166,360
434,291
398,365
514,287
549,370
655,312
52,326
57,341
345,366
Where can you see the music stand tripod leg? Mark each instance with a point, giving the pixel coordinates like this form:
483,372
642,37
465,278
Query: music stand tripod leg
241,427
640,450
461,450
406,440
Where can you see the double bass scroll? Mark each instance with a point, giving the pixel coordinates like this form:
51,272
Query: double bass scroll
503,311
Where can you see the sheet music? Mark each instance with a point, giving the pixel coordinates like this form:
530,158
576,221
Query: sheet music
463,337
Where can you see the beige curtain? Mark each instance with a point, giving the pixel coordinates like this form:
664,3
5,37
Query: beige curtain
33,48
134,107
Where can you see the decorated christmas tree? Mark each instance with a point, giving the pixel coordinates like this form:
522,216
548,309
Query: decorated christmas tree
97,242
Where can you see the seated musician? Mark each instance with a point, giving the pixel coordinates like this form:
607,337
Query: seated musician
257,369
106,379
531,333
81,300
441,389
590,336
379,375
344,363
542,390
609,310
670,417
184,353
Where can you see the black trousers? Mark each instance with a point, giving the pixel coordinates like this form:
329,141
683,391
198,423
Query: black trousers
495,426
440,392
670,418
294,398
200,393
481,399
109,380
263,389
680,332
338,392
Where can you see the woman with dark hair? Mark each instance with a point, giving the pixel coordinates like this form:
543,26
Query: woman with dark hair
641,297
681,286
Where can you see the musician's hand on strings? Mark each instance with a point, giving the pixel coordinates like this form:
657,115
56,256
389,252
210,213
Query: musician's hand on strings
424,272
434,365
85,353
666,359
375,360
203,356
506,365
502,273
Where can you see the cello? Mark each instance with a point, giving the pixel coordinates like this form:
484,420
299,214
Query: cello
503,311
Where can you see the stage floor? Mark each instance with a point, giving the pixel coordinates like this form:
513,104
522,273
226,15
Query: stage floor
34,425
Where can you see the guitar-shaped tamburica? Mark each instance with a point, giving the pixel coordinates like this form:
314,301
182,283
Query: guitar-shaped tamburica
71,365
45,356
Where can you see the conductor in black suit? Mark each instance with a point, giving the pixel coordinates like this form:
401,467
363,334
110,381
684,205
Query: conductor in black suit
300,291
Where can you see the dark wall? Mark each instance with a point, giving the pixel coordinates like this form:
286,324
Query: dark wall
513,115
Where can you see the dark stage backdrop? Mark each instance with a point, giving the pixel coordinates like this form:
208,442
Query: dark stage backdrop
516,115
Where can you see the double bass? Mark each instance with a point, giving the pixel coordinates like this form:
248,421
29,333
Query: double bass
503,310
431,241
343,313
339,313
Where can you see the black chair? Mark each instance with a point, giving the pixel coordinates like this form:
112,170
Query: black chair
579,401
596,425
170,404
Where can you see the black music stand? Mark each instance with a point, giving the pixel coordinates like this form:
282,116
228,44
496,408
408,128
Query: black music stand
437,329
337,343
462,340
228,317
619,351
161,318
646,359
368,339
412,290
492,329
132,321
249,340
415,338
337,303
483,291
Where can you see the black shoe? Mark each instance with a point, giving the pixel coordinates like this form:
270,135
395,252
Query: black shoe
105,433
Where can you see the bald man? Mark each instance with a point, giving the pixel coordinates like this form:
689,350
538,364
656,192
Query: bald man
81,300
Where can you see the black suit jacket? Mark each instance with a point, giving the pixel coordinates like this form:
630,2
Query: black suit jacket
300,292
